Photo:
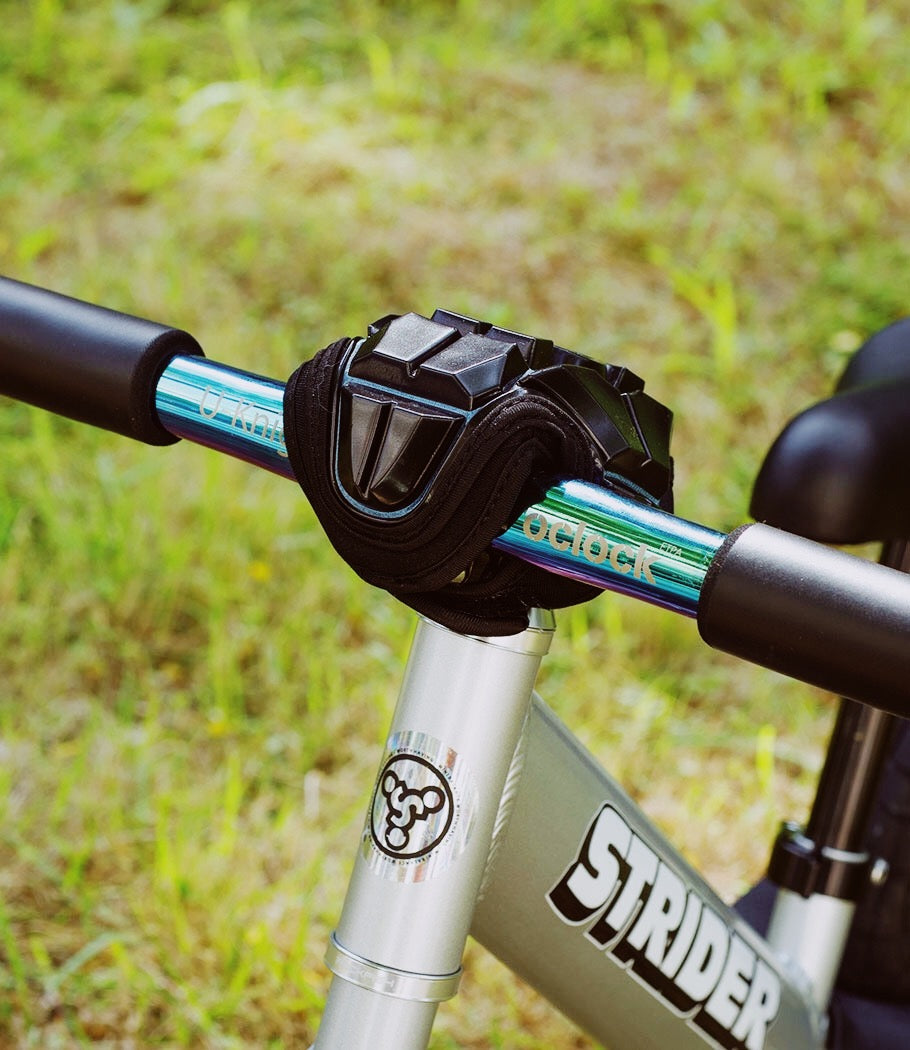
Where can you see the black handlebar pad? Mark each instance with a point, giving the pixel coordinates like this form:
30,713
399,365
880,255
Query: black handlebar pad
813,613
91,364
418,445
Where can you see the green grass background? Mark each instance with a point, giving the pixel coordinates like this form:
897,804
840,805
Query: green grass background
193,689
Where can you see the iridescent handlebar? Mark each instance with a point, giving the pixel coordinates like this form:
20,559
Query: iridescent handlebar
577,530
764,595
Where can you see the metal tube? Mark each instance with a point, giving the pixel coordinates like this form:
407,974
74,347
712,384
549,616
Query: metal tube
619,957
811,932
850,778
424,848
856,756
595,535
577,530
226,409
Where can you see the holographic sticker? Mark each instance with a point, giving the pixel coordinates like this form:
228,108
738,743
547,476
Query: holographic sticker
422,810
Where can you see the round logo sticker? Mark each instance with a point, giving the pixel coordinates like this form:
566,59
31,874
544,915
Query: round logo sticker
422,810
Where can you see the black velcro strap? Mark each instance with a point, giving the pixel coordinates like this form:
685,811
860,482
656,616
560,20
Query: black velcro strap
503,462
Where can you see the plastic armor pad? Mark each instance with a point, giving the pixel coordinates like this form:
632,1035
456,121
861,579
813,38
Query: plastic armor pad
421,443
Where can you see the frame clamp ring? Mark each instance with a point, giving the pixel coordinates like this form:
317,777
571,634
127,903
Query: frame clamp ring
401,984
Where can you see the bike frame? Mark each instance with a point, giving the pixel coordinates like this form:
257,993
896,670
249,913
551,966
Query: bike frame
570,885
489,818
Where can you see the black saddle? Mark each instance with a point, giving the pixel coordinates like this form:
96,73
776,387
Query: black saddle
838,473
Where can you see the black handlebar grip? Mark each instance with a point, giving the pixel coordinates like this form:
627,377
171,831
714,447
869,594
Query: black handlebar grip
813,613
91,364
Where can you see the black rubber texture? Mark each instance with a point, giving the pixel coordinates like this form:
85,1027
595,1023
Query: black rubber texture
85,362
883,357
485,486
420,444
837,472
877,960
815,614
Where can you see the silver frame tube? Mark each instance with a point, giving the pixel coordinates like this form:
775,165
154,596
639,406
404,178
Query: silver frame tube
427,836
556,792
812,931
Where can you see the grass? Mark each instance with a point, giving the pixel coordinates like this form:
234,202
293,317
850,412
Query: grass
194,689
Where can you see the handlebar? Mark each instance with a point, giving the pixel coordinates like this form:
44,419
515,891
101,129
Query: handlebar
774,599
83,361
